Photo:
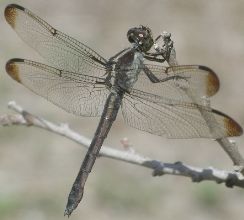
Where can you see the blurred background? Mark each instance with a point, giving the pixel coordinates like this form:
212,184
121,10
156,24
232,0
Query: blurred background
37,168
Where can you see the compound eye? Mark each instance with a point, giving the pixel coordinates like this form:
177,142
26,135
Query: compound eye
131,38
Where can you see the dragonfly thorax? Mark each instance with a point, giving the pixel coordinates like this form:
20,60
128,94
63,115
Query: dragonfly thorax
127,69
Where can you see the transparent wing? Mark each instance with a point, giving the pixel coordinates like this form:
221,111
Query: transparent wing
57,48
178,81
174,118
75,93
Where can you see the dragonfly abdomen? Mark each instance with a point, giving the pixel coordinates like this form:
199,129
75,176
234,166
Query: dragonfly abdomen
109,114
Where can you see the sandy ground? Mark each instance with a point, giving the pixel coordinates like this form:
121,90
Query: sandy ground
37,168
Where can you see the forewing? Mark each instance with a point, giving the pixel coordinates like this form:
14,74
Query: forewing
75,93
57,48
178,81
174,118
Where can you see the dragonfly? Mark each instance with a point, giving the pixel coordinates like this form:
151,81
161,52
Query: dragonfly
152,97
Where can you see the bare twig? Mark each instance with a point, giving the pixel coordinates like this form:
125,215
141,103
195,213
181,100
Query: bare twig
159,168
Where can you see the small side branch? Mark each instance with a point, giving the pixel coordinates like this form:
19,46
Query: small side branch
159,168
167,51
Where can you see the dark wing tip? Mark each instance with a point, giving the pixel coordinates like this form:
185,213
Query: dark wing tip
212,81
15,6
12,68
231,126
10,13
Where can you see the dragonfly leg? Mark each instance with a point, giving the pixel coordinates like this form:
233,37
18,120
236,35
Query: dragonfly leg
153,57
176,77
154,79
150,75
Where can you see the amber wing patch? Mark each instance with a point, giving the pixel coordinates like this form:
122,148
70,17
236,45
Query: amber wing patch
212,84
12,69
212,81
232,128
10,14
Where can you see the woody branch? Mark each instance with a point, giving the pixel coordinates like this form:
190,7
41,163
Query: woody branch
196,174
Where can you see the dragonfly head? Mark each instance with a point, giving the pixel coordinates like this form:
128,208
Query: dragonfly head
142,37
